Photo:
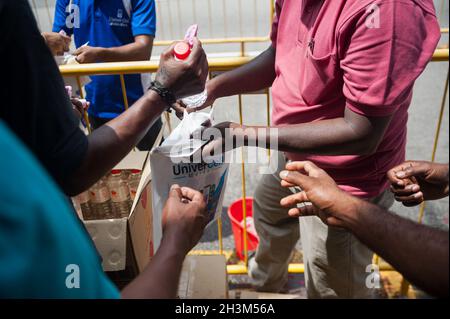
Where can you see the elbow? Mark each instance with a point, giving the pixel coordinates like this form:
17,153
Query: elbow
76,185
367,146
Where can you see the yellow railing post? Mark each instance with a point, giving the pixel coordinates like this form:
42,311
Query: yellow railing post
244,191
124,91
85,114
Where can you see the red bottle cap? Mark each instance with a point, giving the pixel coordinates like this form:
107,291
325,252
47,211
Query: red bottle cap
116,172
182,50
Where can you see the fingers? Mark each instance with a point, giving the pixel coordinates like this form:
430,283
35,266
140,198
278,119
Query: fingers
307,210
393,179
78,104
169,52
405,173
412,171
197,52
405,191
294,199
296,178
305,166
66,39
192,195
179,108
175,192
286,184
79,50
410,200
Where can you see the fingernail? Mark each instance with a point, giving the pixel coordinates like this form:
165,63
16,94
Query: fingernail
174,186
418,195
284,174
415,188
400,174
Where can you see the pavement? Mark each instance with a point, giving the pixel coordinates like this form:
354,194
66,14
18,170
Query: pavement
251,18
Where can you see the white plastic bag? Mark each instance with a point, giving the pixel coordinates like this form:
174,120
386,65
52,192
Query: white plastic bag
178,161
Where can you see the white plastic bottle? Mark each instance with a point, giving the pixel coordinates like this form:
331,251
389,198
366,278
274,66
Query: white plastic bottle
101,200
120,194
182,51
133,183
85,206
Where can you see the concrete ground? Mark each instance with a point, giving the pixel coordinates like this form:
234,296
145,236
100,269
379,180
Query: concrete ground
251,18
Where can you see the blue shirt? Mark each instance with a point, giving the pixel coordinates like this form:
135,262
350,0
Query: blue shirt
107,23
44,250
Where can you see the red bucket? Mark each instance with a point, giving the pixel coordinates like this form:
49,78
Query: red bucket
235,212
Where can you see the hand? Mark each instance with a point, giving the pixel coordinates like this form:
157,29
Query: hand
183,78
223,137
79,107
179,106
57,42
184,217
328,201
87,54
416,181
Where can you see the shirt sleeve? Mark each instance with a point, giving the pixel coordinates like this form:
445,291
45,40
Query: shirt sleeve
60,18
276,18
35,104
143,17
382,50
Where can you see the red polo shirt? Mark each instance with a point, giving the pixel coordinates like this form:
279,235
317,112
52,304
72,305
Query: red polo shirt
360,54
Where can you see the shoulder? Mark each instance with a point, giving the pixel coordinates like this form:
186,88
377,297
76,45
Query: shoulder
398,9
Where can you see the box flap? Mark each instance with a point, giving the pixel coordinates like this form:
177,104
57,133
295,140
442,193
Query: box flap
141,227
134,160
109,236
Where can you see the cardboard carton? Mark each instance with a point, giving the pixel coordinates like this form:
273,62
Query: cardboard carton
128,241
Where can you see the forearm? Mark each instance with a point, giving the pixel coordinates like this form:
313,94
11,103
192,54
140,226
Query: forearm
160,278
327,137
109,144
419,252
256,75
135,51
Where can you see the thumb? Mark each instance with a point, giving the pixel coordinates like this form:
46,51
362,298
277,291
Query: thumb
79,51
412,171
169,52
296,178
175,192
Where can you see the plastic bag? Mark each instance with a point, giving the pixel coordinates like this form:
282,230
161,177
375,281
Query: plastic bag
178,161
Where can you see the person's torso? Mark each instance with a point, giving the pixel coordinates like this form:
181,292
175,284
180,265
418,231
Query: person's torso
309,87
107,24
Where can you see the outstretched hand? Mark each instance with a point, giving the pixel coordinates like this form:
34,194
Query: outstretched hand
320,194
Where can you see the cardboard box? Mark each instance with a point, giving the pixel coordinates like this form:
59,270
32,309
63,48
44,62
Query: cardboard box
128,241
204,277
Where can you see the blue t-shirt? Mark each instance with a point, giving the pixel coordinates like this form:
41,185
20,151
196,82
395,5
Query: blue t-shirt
44,250
107,23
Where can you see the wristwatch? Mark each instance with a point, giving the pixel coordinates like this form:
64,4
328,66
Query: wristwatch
164,93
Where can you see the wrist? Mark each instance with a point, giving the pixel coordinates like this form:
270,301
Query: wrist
175,242
102,53
347,210
155,100
212,89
